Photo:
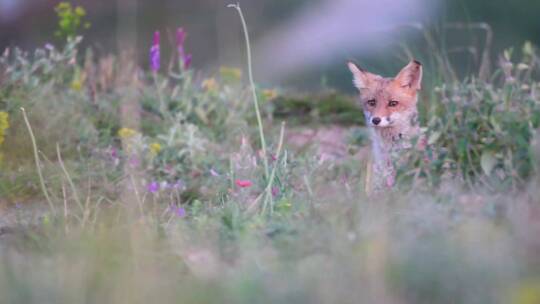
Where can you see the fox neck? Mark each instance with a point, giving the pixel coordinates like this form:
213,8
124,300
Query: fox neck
389,139
384,142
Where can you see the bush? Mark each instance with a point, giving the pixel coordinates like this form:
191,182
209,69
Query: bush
479,132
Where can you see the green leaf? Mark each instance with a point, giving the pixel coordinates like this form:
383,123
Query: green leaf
434,137
488,161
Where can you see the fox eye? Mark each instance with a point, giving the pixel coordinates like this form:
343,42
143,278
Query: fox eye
393,103
372,102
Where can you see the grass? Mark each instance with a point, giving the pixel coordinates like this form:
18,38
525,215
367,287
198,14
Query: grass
176,210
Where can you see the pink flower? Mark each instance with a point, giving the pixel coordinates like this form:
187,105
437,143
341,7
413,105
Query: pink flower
243,183
275,191
214,173
134,162
114,153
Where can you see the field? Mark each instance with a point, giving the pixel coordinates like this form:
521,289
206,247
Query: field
121,184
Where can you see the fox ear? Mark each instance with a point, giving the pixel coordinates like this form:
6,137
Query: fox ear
411,76
361,78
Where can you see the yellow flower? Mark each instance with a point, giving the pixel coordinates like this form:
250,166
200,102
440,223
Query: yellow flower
78,80
155,148
76,85
4,124
4,120
210,85
269,94
126,133
230,74
527,292
80,11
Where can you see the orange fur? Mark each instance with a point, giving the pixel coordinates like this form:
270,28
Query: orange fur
389,106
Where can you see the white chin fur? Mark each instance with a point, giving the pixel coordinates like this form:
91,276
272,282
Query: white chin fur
383,124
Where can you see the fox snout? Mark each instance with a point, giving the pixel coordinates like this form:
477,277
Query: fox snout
378,121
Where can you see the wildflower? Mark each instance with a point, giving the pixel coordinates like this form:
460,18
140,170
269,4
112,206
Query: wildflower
80,11
155,53
180,212
179,185
4,125
169,169
76,85
134,162
187,61
180,39
275,191
185,58
526,292
153,187
269,94
243,183
230,74
155,148
214,173
210,85
115,158
4,120
126,133
114,153
164,185
78,80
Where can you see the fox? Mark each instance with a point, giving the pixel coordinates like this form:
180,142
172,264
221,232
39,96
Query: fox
391,115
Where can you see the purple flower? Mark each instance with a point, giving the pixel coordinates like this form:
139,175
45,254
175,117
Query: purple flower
187,61
153,187
134,162
180,40
178,185
180,212
154,53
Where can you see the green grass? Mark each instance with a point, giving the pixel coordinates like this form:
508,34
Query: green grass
461,228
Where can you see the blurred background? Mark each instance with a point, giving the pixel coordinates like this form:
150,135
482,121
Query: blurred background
297,43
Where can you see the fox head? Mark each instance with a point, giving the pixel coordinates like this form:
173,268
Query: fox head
388,102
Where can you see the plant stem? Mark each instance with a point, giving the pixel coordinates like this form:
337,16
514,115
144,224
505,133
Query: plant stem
68,177
252,84
162,107
36,158
269,197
